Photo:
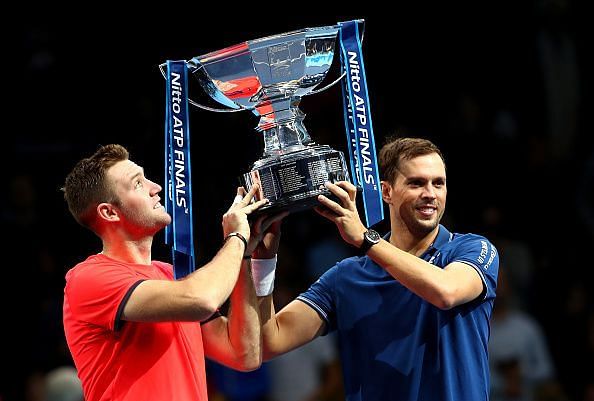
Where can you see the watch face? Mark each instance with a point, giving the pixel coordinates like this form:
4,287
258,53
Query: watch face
372,236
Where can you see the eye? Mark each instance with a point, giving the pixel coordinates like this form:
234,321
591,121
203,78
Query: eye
415,183
439,184
138,184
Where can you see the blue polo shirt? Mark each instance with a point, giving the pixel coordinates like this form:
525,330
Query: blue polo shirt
396,346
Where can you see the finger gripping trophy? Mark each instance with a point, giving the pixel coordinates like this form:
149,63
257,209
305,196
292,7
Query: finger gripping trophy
269,76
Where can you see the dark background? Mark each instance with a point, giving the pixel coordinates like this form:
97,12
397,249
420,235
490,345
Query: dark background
503,89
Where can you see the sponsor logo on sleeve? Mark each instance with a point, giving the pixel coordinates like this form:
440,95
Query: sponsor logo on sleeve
484,253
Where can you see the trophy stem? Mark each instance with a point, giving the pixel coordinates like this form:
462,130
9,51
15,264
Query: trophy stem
283,135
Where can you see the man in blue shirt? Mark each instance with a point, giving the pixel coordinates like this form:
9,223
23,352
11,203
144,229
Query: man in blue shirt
412,315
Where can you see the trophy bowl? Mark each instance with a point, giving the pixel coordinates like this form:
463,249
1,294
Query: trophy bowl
269,76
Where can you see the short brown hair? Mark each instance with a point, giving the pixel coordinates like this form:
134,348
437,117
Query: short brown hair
86,186
398,149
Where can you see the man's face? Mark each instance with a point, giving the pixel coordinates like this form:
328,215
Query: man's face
138,200
418,195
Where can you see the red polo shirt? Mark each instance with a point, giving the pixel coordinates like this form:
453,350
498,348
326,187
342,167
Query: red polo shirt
120,360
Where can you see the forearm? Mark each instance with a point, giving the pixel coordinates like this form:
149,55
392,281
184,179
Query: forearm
296,324
212,284
244,323
264,271
195,298
436,285
270,328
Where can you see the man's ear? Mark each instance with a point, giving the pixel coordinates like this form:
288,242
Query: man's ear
107,212
386,192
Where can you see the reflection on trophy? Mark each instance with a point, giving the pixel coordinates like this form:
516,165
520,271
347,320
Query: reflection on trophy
269,76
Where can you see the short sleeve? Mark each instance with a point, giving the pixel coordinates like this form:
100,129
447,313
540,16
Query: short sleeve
97,294
321,296
479,253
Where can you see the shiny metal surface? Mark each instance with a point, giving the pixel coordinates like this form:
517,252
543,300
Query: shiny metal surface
269,76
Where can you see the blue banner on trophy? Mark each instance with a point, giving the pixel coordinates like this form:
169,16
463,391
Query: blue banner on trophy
269,77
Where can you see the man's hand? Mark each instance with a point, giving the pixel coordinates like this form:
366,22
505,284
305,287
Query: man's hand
343,214
235,220
265,236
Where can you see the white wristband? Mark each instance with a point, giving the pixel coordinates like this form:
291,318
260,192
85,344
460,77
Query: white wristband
263,275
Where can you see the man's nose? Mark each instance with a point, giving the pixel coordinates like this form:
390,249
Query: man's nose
428,191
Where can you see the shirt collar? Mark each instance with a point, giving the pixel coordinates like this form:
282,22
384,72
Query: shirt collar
442,238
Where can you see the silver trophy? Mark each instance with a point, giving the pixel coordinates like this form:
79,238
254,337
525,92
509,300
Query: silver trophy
269,76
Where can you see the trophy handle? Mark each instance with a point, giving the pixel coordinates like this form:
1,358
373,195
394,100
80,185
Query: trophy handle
240,108
343,74
327,86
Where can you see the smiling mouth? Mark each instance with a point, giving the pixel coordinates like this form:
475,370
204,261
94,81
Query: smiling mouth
427,211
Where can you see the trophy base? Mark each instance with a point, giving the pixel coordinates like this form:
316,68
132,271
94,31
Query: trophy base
293,207
293,181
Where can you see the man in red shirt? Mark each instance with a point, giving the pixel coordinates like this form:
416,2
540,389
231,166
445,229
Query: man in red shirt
134,332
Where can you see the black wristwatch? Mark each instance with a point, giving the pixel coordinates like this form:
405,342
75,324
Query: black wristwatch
370,238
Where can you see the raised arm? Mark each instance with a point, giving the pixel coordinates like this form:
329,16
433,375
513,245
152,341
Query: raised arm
455,284
201,293
445,288
297,323
234,340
